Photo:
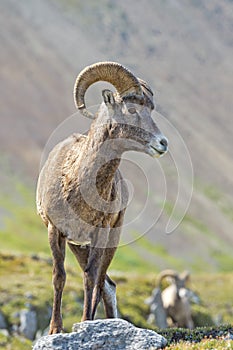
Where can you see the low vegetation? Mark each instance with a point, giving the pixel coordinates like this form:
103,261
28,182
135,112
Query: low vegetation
27,280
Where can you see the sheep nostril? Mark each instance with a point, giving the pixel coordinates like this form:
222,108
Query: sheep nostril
164,142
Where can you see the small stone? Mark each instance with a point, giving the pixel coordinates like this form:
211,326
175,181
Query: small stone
5,332
3,324
29,295
28,323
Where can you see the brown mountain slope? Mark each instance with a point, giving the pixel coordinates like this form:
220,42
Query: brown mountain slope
183,49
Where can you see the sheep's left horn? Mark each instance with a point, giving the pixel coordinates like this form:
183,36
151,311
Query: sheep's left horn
167,273
114,73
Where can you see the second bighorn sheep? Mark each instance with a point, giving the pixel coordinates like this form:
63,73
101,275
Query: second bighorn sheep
176,298
81,196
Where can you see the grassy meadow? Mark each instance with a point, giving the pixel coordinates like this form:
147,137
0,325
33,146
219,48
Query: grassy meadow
26,267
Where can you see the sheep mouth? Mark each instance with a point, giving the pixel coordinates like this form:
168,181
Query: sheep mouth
155,152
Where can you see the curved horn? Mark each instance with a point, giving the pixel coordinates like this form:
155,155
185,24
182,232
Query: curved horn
114,73
166,273
184,276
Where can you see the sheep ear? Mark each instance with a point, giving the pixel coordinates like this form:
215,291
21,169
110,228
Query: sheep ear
108,97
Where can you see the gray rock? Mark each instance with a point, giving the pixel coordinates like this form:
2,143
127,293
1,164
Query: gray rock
114,334
3,324
28,323
29,295
4,332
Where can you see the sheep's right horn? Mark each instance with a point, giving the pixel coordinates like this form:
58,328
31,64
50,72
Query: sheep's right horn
184,276
114,73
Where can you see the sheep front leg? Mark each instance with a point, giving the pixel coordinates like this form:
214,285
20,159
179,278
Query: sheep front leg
57,244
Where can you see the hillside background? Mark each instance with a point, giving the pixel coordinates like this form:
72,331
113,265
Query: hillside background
184,49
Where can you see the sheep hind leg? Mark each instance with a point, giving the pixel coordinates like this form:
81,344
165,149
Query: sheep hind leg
109,289
91,272
88,259
102,286
57,244
81,254
109,298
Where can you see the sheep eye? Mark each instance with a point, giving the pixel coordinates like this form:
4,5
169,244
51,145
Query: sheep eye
132,110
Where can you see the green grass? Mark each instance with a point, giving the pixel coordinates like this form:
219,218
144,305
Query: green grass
220,343
14,343
25,266
211,344
20,274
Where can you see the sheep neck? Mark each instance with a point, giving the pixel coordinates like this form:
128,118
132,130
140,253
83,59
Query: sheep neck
95,166
100,162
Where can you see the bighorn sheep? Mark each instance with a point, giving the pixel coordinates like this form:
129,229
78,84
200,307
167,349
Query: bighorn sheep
173,302
81,196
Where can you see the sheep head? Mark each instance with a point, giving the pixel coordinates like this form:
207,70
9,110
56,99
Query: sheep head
127,112
178,279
